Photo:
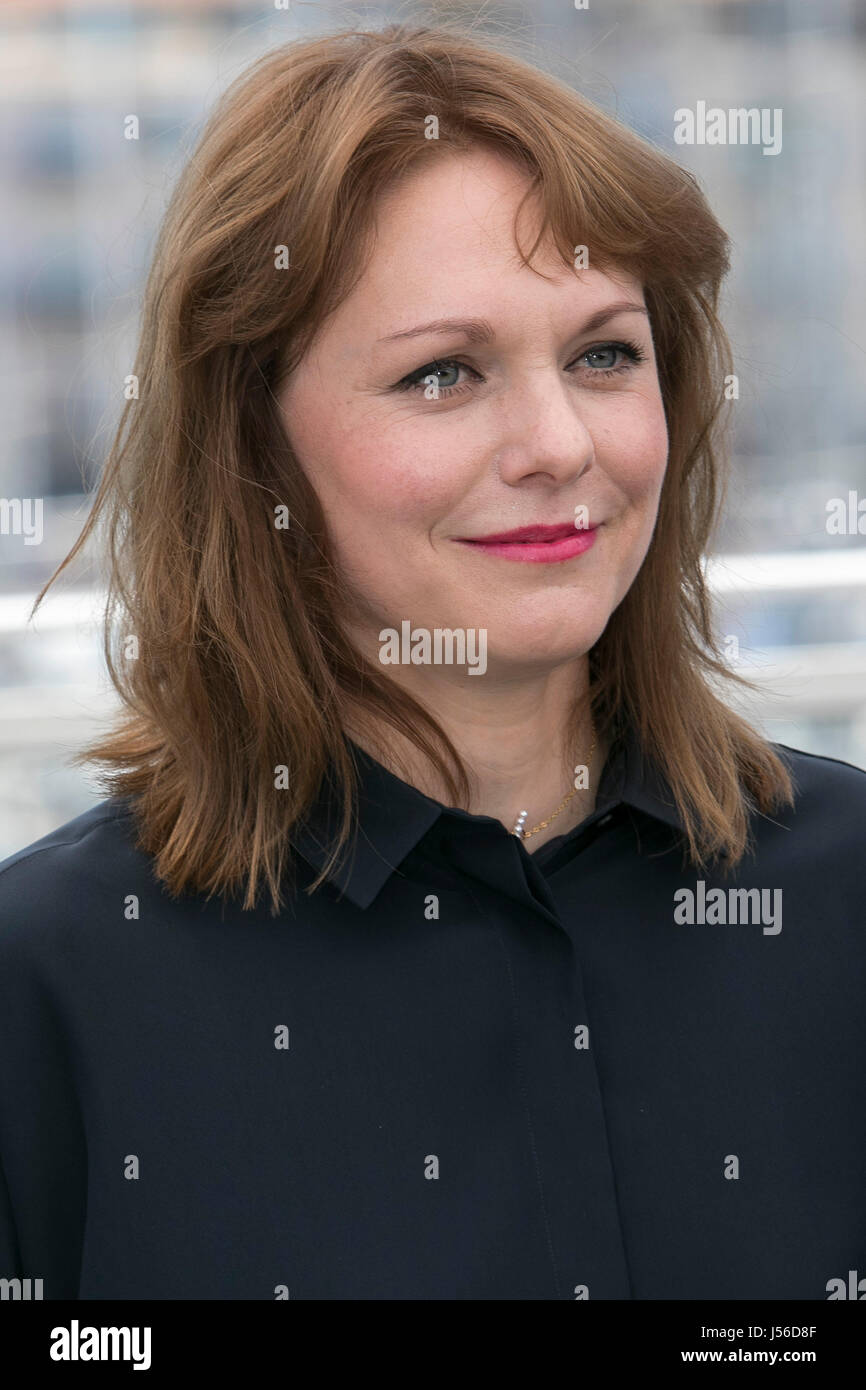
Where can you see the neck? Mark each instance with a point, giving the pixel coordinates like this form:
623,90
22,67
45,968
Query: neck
520,738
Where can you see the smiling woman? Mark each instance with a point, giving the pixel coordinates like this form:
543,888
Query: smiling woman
382,447
342,324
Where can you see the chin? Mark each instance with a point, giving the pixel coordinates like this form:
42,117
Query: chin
566,628
562,642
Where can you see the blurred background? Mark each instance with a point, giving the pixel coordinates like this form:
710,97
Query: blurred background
83,203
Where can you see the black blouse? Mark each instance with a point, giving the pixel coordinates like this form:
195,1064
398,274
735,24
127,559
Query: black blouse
461,1071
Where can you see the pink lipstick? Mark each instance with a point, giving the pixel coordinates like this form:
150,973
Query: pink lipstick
537,544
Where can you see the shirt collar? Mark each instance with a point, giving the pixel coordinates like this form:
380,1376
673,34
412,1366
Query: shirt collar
394,816
632,777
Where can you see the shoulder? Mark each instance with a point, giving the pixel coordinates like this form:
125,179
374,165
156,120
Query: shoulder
820,780
67,873
826,825
72,845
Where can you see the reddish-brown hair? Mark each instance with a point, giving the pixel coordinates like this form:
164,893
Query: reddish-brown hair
243,666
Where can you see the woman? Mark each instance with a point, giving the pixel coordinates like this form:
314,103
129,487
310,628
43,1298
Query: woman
407,611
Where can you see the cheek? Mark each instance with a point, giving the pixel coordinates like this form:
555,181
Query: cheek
637,453
385,483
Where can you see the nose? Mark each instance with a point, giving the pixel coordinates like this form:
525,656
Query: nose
543,435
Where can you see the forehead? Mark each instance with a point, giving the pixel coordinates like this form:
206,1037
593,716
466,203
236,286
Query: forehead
443,245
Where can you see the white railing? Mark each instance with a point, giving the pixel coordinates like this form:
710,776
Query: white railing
790,571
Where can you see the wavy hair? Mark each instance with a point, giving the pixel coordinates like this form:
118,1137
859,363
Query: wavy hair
243,666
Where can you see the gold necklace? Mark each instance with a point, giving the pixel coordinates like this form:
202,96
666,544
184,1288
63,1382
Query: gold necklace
519,824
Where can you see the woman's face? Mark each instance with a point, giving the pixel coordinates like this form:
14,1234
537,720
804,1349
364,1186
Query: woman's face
539,417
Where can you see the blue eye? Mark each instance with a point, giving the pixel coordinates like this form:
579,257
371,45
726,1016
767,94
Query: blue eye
610,349
426,379
632,352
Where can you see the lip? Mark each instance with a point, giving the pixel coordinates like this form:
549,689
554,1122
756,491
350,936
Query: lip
536,544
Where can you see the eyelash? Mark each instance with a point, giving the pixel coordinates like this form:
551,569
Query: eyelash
415,380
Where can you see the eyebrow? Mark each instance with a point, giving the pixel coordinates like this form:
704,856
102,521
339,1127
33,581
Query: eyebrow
480,330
